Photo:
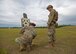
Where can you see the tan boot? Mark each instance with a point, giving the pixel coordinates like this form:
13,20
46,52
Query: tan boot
28,48
53,44
49,45
22,47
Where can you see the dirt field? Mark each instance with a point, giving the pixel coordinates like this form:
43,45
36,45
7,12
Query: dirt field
65,41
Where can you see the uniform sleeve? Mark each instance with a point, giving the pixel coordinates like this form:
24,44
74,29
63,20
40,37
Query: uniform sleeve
51,16
22,30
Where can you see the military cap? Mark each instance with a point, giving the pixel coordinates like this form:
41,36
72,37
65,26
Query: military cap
49,6
33,24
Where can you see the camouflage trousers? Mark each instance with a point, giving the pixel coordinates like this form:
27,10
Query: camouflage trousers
51,33
22,41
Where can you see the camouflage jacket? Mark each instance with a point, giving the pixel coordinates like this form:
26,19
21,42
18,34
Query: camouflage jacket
53,16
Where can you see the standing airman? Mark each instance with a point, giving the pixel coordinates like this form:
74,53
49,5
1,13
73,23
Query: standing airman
53,18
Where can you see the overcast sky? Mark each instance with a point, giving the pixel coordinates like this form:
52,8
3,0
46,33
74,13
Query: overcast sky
11,11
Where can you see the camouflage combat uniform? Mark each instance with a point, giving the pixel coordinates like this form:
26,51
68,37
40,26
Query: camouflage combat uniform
28,34
53,17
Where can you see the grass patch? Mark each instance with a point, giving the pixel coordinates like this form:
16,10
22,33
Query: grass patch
65,41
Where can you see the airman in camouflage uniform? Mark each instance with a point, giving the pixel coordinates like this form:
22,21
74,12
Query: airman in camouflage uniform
28,34
53,17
